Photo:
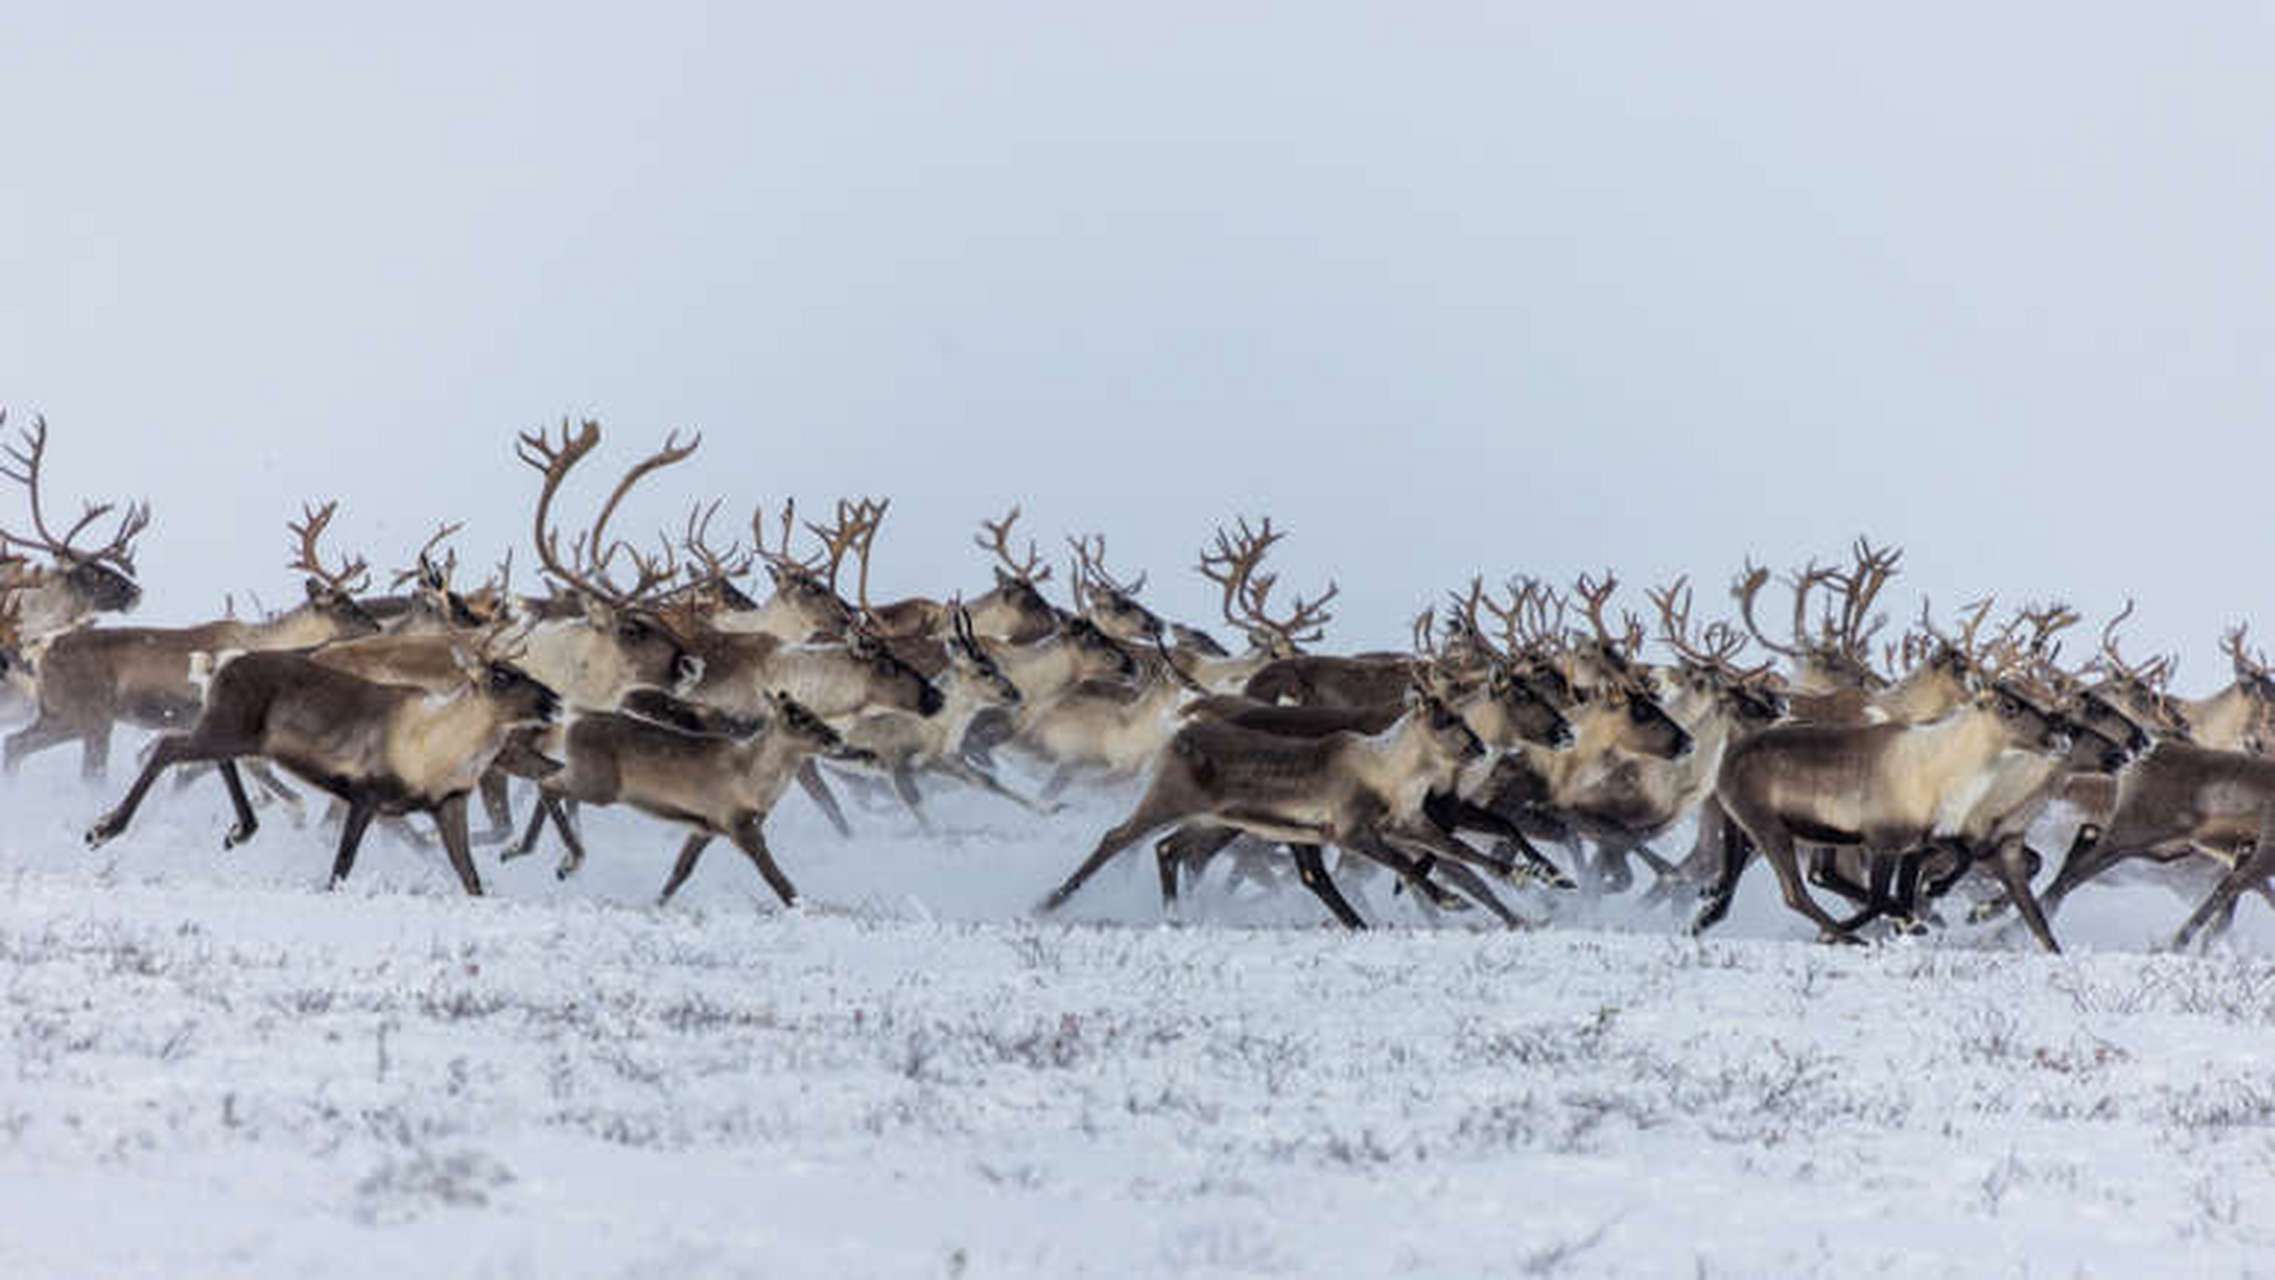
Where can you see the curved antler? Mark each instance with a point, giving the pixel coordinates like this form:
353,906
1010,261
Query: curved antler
351,577
997,538
1232,564
25,461
1090,567
1749,585
591,549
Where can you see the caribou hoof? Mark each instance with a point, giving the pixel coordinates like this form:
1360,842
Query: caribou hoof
237,835
1983,912
104,831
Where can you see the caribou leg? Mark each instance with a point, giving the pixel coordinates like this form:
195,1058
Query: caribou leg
1061,778
904,786
173,749
810,781
1313,870
752,842
2012,862
497,806
359,817
1468,881
450,822
965,771
247,824
95,762
1714,901
2089,855
1151,816
1777,850
1188,846
38,736
1453,812
2250,871
573,855
685,865
528,843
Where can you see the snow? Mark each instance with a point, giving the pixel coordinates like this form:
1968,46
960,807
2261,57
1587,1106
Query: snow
214,1067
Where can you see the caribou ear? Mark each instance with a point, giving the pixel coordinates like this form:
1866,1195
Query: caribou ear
596,613
314,588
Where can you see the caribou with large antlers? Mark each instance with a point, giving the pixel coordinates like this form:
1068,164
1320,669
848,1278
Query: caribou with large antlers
608,639
93,679
79,582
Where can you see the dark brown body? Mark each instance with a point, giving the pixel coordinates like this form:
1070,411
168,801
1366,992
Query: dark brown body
1322,680
384,749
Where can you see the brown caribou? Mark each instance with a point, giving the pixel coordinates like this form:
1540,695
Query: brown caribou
91,680
385,749
1363,792
77,583
719,775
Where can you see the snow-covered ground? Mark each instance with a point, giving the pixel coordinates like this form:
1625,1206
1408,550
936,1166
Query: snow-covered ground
214,1067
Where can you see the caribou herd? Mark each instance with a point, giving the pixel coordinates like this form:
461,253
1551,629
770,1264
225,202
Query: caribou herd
1887,768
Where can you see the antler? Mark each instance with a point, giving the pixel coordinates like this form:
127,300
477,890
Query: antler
1674,603
351,577
779,557
1090,566
1232,565
712,565
25,461
1716,647
554,461
423,569
1748,586
592,550
2114,662
1233,562
1533,620
1859,589
2046,622
673,452
1594,595
852,532
1462,625
2248,664
997,538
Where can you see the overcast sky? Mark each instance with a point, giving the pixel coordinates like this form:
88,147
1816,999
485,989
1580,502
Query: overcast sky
1444,289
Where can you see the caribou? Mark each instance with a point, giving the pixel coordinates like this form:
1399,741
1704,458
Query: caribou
1884,767
384,749
1362,792
95,678
77,583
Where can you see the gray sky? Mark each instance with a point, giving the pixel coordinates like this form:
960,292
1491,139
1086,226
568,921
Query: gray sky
1470,288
